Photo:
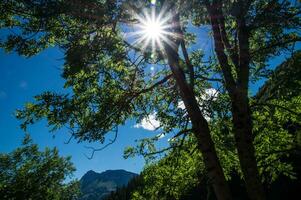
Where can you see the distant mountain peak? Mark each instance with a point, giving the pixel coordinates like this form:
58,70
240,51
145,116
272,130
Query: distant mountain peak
96,185
115,170
90,172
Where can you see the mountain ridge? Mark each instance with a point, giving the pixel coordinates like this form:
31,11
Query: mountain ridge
96,186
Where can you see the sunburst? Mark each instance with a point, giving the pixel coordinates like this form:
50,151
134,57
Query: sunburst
152,29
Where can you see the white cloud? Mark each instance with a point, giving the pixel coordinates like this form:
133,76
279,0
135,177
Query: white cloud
181,105
160,135
209,95
149,123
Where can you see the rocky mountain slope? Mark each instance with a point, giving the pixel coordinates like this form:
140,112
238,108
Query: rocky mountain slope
96,186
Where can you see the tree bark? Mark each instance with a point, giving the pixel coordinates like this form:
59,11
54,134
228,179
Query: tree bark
244,141
200,127
238,92
242,117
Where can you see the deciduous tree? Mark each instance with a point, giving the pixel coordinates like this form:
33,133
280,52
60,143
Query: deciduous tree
110,76
28,173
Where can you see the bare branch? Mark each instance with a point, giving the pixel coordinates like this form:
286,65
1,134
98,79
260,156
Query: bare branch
275,45
102,148
69,140
158,152
185,131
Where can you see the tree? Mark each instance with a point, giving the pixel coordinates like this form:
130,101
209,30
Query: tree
110,81
27,173
125,192
276,116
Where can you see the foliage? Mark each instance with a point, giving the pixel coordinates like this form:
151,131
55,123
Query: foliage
176,175
125,192
109,83
110,80
277,106
277,133
273,141
27,173
284,82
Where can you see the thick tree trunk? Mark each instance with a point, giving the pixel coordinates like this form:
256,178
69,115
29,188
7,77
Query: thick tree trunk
201,128
244,140
238,91
242,118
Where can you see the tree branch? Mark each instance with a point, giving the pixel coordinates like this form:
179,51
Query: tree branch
102,148
219,48
230,49
187,61
276,106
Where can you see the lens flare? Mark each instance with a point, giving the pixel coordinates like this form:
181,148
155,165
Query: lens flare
151,29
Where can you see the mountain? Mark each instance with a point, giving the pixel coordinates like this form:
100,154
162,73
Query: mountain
96,186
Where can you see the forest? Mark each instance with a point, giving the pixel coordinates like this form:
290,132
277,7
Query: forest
224,119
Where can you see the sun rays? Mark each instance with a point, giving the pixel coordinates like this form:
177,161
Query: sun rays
151,29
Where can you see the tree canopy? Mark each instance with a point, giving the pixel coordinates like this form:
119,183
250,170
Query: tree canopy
181,174
111,80
28,173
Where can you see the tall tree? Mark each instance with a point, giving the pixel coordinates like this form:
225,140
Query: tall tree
276,119
111,81
249,18
27,173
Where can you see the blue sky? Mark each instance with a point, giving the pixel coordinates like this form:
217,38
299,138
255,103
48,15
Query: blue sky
23,78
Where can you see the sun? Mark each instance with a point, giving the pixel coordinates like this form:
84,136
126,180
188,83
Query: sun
151,30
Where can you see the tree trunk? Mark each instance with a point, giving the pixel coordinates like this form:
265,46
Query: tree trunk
242,117
201,128
244,140
238,91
